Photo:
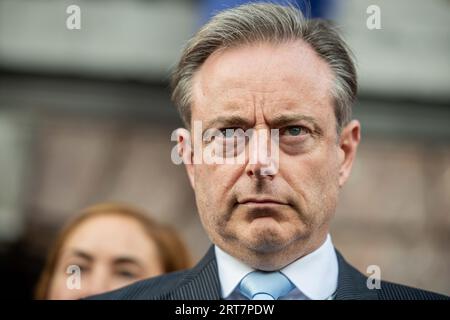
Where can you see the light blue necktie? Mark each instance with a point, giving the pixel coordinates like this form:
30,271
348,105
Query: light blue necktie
259,285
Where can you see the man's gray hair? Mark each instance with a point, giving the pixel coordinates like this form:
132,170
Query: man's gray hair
272,23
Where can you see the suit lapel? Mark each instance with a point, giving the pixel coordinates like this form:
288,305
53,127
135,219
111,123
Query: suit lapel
352,285
202,282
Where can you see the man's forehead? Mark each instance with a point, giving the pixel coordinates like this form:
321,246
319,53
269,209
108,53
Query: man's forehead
234,81
261,65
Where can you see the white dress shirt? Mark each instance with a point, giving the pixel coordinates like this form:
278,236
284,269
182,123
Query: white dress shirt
314,275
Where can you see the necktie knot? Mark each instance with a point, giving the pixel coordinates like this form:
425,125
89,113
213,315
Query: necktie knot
260,285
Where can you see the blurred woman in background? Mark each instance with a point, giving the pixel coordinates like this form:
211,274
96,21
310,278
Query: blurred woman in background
111,246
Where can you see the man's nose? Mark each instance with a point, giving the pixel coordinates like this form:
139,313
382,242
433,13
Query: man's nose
263,154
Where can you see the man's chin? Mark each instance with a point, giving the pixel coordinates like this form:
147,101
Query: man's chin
264,253
265,243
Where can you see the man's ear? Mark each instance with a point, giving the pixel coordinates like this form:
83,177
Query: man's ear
184,148
348,144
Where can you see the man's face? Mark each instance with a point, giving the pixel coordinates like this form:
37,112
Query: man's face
270,218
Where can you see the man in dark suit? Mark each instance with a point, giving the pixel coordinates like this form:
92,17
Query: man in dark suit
270,95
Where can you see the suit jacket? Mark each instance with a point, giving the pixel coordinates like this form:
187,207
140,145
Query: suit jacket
202,283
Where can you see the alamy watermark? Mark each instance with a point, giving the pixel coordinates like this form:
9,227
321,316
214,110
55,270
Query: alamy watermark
374,280
73,281
373,22
73,21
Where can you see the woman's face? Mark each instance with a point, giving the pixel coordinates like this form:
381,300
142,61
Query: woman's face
104,253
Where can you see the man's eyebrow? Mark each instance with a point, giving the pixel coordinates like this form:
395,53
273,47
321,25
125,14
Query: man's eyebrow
285,119
227,121
276,122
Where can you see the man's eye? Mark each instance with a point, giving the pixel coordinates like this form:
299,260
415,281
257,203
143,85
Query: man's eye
295,131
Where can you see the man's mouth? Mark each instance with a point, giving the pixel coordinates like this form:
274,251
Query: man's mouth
261,201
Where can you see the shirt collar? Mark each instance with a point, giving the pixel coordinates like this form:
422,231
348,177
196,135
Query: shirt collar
231,271
315,274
